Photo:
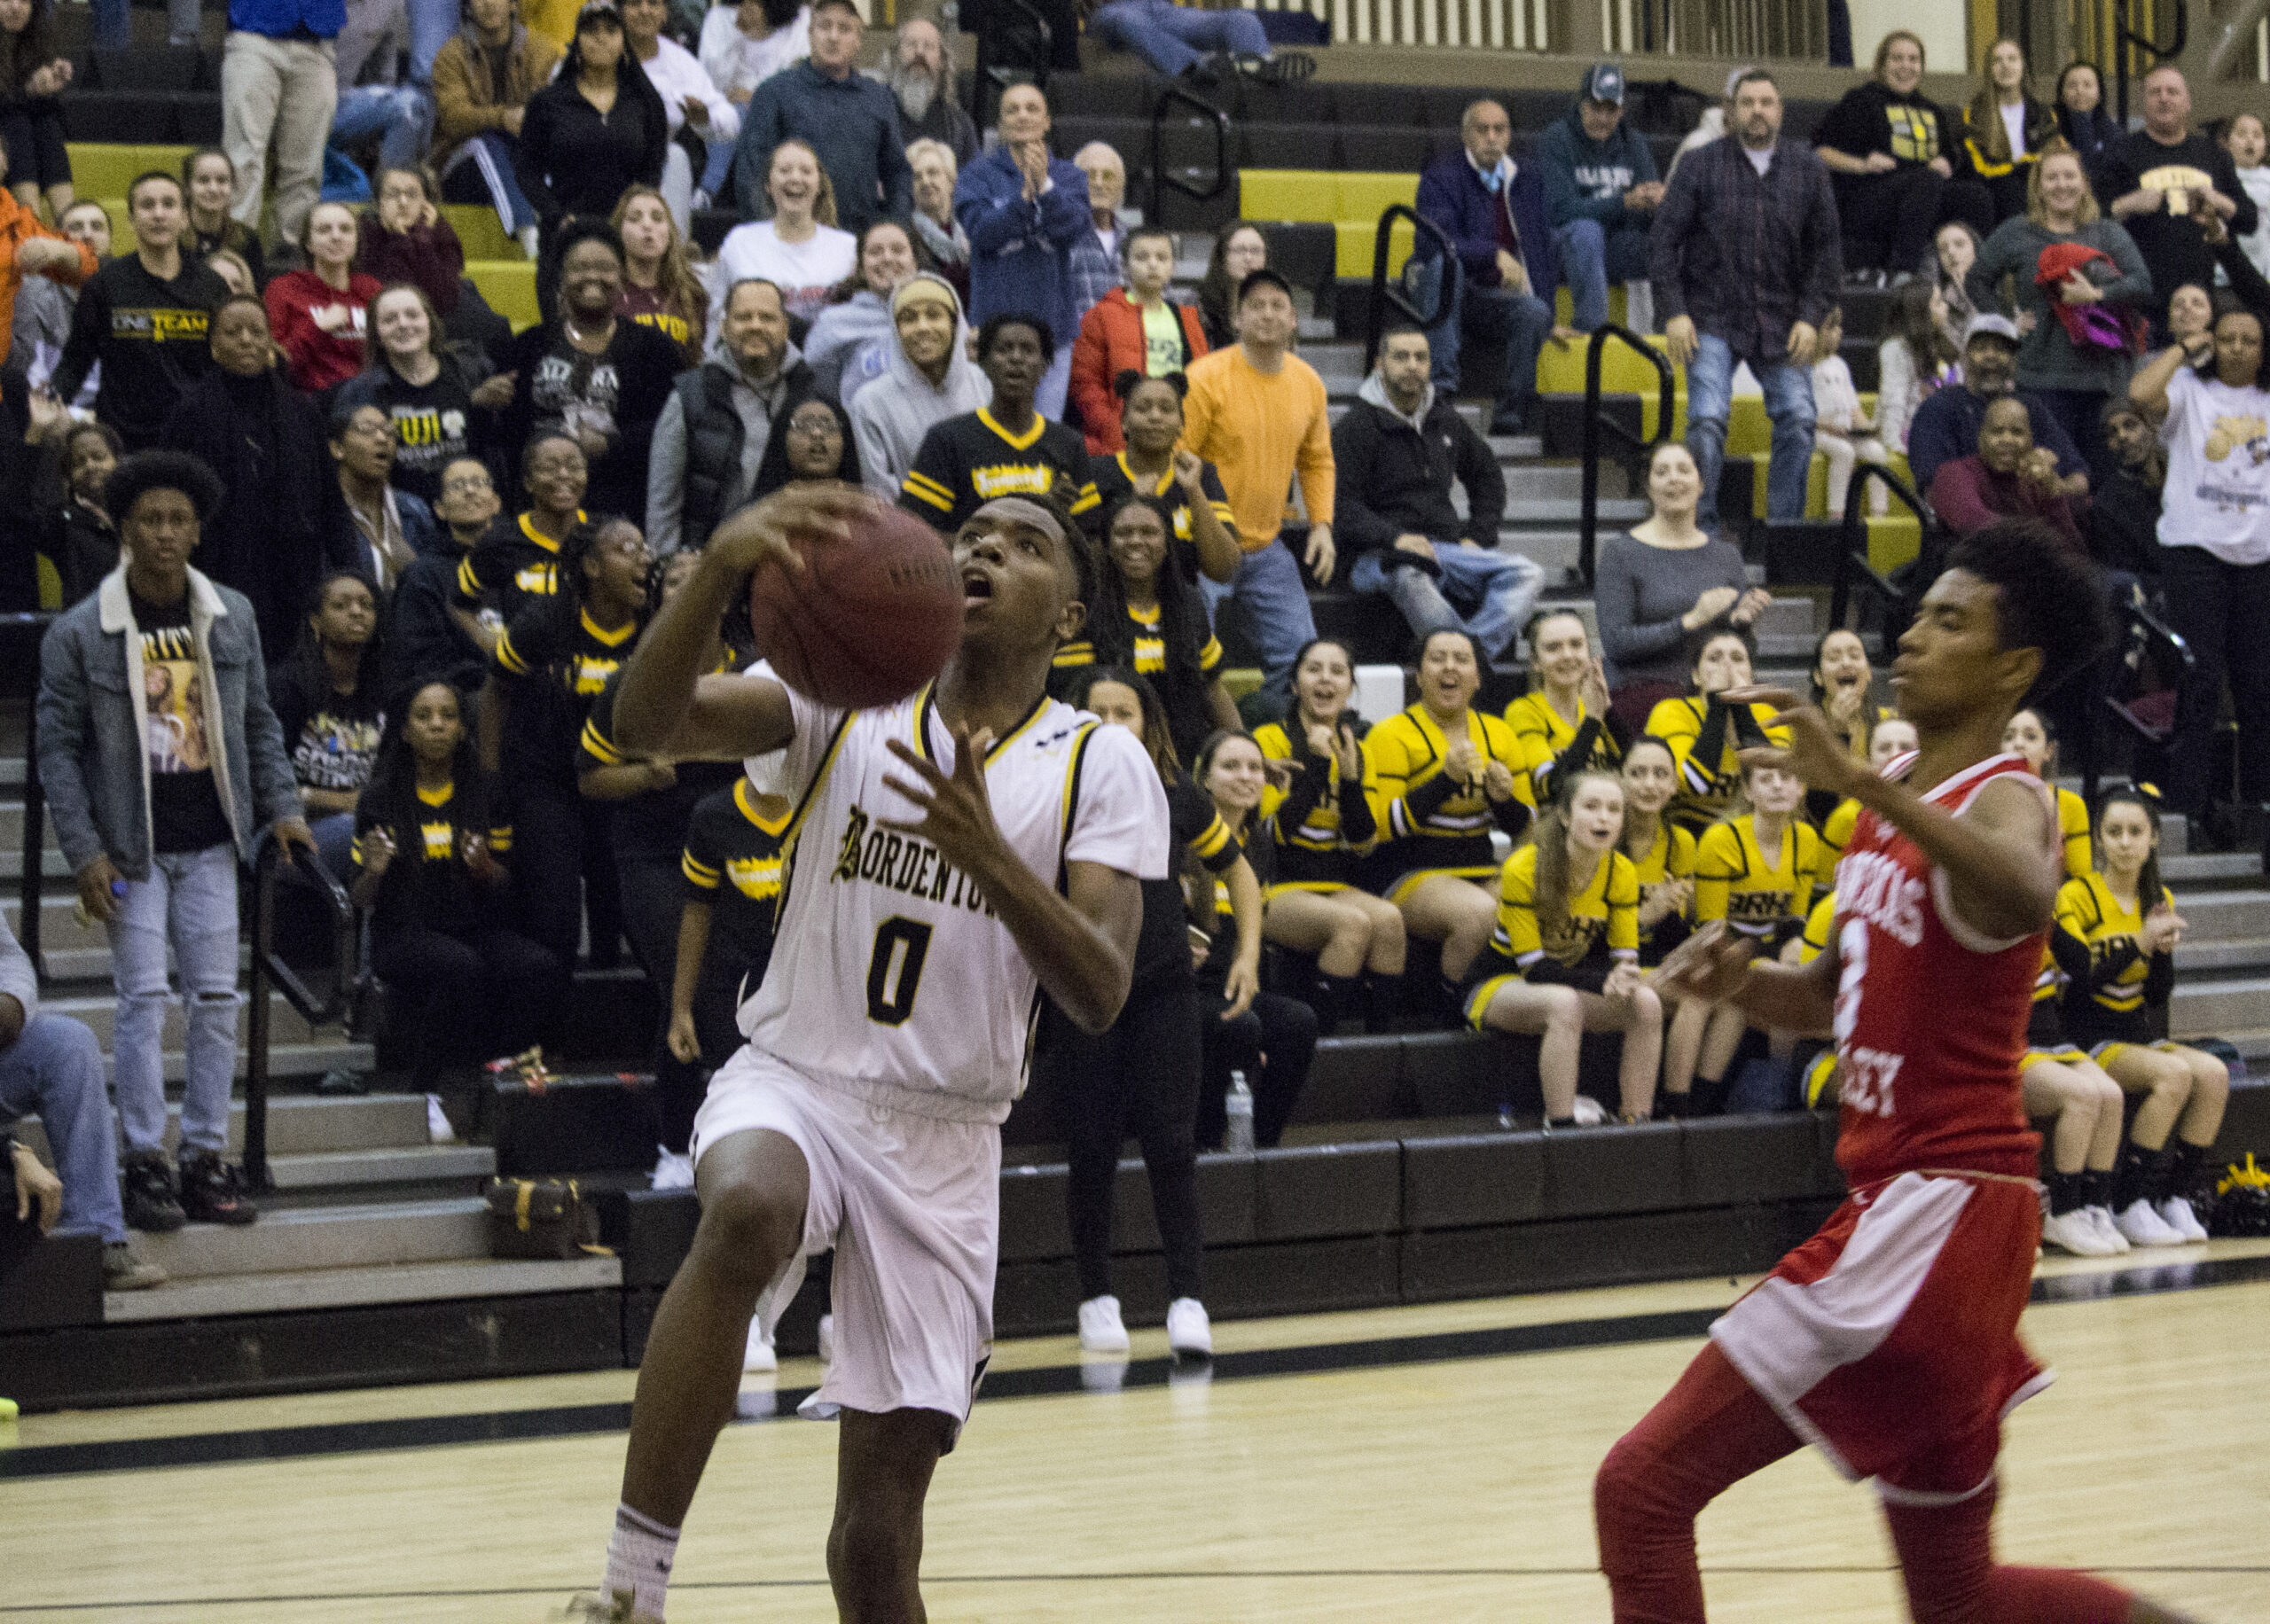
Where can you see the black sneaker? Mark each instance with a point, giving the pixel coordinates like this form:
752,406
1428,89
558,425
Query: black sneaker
146,1185
212,1191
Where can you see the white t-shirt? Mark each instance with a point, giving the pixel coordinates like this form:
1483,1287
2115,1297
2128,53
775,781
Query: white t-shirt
2218,492
805,271
2013,121
890,974
675,74
737,62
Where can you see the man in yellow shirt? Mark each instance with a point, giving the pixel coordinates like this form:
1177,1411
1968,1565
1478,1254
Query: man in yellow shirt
1257,412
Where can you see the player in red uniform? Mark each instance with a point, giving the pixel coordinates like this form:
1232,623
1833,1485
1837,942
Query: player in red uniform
1889,1341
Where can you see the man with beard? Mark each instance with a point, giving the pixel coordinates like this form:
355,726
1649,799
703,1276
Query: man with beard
915,70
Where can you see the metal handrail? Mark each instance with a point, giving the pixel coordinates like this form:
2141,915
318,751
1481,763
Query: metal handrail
268,967
2124,40
30,880
1595,420
987,72
1168,96
1384,291
1854,569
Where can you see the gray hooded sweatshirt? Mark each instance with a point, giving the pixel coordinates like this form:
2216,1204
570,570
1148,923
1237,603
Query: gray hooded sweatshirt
890,414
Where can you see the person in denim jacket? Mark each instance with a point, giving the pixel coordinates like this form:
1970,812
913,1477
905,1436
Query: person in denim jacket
161,761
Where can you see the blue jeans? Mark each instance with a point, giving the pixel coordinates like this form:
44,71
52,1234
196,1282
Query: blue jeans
480,171
402,115
55,1067
1056,384
191,901
1171,37
1592,256
1483,592
1789,405
112,32
1269,592
431,24
1519,320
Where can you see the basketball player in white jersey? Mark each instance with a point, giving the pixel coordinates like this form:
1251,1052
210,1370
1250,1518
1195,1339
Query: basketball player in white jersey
956,854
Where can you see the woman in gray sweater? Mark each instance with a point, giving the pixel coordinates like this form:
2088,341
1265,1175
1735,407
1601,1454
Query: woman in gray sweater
1662,583
2071,380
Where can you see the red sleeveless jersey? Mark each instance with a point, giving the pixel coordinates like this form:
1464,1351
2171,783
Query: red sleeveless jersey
1931,1015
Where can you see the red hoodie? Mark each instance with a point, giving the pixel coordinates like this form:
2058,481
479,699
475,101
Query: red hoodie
319,328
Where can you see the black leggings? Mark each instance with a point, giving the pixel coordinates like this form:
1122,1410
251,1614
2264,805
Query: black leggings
33,133
2221,611
563,866
1888,219
1273,1043
1143,1075
467,998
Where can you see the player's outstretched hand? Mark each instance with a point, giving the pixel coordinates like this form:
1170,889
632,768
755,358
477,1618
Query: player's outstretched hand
1814,753
766,531
1711,964
957,812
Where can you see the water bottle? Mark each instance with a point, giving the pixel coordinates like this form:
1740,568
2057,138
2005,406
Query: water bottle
1237,1110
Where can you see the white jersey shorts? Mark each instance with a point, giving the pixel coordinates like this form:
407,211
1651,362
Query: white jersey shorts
912,1207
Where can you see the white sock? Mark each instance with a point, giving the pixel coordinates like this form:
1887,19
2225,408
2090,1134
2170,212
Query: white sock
639,1560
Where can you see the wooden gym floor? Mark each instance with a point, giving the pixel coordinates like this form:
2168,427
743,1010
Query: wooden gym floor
1429,1464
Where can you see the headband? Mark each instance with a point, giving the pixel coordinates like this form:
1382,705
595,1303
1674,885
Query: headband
1021,510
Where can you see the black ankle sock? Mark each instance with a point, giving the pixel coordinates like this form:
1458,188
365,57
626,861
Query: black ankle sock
1344,1001
2098,1190
1710,1097
2068,1191
2137,1176
1382,1002
1673,1107
2190,1173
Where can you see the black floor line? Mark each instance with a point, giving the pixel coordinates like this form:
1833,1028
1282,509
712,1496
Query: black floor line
580,1420
943,1581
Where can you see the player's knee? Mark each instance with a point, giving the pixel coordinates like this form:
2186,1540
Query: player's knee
2211,1079
2171,1080
748,1228
1563,1008
1647,1007
1623,1496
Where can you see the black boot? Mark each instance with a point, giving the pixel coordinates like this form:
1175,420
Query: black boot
148,1186
1339,999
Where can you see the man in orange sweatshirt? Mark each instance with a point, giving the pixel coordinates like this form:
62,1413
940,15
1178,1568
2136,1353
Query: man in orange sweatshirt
29,248
1257,412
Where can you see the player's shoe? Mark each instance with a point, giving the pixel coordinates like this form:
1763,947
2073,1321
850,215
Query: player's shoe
758,1355
2177,1214
2102,1216
2143,1227
619,1609
1189,1332
1101,1330
2077,1233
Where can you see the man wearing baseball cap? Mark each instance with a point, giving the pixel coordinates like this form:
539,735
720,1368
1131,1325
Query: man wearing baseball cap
1601,193
1946,426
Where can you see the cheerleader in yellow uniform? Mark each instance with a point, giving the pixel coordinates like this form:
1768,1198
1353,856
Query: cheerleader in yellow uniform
1757,872
2115,939
1706,735
1562,721
1664,854
1564,957
1443,776
1317,816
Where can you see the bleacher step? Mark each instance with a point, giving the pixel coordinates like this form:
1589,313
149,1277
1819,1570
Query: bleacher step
287,1062
303,1240
340,1288
303,1125
2208,1009
2224,916
382,1165
2211,869
2230,953
100,1013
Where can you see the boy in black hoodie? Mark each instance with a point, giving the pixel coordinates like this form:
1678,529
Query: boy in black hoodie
1397,451
1602,189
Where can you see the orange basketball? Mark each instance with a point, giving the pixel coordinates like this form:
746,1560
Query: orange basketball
874,617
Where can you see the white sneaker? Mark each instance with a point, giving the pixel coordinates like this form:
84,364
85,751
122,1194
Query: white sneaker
2176,1212
1588,1111
758,1355
1189,1332
2102,1216
827,1339
2143,1227
1102,1330
672,1171
2077,1233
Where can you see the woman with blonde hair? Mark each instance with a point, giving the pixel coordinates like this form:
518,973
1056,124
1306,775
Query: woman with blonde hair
2005,129
2080,278
659,288
799,250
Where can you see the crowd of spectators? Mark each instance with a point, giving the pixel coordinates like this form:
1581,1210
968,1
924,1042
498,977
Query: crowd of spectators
448,537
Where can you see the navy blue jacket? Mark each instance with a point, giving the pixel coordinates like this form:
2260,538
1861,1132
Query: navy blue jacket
1452,195
1020,249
